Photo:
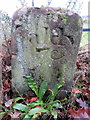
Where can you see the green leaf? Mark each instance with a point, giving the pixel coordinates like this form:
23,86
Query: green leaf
54,113
64,99
35,116
55,90
49,107
18,98
23,115
27,116
43,89
33,104
60,84
1,114
37,110
21,107
32,84
38,102
57,105
53,95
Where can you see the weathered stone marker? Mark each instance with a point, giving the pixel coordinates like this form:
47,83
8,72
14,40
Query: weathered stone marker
45,42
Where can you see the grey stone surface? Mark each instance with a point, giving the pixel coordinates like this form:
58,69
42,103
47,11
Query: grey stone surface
45,42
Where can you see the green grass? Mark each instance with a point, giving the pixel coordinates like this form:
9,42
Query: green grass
84,39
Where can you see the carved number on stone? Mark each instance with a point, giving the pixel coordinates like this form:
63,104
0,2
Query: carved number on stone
41,48
71,39
55,40
57,54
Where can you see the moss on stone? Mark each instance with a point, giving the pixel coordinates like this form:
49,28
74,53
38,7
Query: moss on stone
65,19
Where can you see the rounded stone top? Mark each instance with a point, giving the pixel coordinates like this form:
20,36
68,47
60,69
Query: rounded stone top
43,10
